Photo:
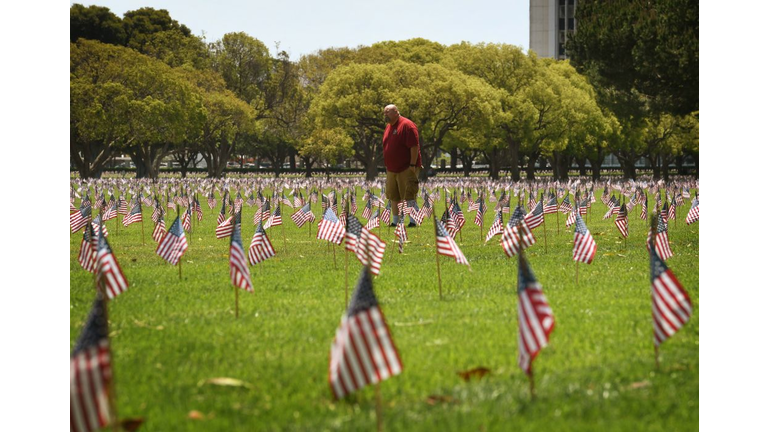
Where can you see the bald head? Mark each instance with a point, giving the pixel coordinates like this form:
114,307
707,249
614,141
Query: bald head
391,113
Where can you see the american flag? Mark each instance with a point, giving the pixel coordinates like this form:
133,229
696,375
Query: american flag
373,222
551,206
111,212
565,206
261,248
474,205
425,212
496,227
211,200
644,211
536,216
238,202
446,245
458,216
353,203
197,209
511,238
583,206
285,200
584,246
302,215
571,218
263,215
276,218
173,244
481,208
298,200
693,213
134,215
531,199
157,213
159,232
386,214
673,210
401,233
367,210
238,266
403,209
604,198
661,242
670,303
90,373
87,255
79,218
330,228
364,244
109,275
665,213
363,351
97,225
621,221
251,200
447,220
224,229
223,213
613,207
535,320
122,205
186,220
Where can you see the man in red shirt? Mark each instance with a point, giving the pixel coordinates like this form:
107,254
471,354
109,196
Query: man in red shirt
402,157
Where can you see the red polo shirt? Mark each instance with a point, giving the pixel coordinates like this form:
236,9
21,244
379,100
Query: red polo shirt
398,140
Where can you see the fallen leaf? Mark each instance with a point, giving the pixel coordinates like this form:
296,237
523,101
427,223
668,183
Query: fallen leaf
434,399
195,415
641,384
623,256
131,424
227,382
477,372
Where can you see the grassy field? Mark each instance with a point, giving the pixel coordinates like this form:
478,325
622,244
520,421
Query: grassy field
170,336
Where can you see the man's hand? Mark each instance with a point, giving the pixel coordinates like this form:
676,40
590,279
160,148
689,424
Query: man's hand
413,170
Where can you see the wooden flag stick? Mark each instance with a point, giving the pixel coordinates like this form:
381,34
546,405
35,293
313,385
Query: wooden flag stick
437,256
532,386
282,228
177,215
334,255
577,272
379,419
237,303
544,219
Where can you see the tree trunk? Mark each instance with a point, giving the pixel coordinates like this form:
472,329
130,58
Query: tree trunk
308,162
530,169
454,157
514,153
665,167
582,162
292,160
372,171
596,163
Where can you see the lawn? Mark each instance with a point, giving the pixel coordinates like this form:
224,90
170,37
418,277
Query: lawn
170,336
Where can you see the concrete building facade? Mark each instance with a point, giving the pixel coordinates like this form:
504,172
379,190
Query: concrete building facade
552,22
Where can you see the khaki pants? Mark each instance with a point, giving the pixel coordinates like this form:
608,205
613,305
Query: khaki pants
403,185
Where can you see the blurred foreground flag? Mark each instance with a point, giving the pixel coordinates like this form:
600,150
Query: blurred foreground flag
534,316
670,303
363,351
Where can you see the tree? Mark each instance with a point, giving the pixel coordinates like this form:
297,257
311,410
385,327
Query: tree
95,23
648,47
141,24
245,65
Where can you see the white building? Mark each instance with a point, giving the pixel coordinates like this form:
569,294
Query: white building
552,22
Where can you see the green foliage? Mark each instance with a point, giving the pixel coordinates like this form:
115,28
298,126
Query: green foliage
141,24
169,336
648,47
95,23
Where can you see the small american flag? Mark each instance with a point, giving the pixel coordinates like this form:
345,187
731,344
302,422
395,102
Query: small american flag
97,225
298,200
122,205
364,244
621,221
224,229
425,212
535,320
276,218
238,265
516,234
446,245
373,222
111,211
661,242
670,303
665,212
159,232
330,228
367,210
79,218
481,208
353,203
134,216
223,213
693,213
109,275
386,214
551,206
673,210
401,233
261,248
197,209
536,216
211,200
644,211
565,206
173,245
447,220
496,227
363,351
302,215
458,216
157,213
87,255
571,218
584,246
90,373
186,220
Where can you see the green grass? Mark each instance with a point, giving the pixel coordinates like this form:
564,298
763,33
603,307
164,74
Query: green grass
598,373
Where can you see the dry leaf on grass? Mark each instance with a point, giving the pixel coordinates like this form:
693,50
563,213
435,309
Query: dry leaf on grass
641,384
131,424
435,399
196,415
226,382
477,372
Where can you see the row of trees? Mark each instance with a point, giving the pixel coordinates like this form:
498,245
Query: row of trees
155,90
